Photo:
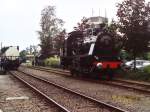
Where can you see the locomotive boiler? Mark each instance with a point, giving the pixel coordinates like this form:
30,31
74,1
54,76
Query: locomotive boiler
91,52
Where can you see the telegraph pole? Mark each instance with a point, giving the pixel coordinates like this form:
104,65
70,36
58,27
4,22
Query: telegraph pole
1,45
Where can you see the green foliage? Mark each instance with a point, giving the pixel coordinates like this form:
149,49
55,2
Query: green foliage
140,75
133,22
52,62
147,69
28,64
23,53
81,26
50,27
124,55
4,49
113,26
113,29
134,16
148,55
59,42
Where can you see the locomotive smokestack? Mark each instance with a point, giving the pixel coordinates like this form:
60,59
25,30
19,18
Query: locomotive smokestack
1,45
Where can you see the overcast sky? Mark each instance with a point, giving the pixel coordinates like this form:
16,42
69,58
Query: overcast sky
20,19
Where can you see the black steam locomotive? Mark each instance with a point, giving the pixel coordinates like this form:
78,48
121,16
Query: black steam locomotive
91,52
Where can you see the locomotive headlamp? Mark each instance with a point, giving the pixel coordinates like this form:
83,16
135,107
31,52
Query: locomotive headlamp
99,65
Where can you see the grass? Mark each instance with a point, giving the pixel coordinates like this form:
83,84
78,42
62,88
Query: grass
139,75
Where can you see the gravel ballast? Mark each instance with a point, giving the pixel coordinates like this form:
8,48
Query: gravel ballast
16,97
70,100
126,99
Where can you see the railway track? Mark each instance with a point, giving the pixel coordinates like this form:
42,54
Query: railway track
58,106
69,100
57,71
130,85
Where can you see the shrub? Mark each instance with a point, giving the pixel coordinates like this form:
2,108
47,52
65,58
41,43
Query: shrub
147,69
52,62
140,75
29,64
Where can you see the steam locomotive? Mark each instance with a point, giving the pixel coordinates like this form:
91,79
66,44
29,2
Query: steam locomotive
91,52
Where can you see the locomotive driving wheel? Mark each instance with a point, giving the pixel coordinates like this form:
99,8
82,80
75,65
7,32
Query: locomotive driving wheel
109,74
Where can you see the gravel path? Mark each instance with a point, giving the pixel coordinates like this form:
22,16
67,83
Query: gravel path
16,97
73,102
126,99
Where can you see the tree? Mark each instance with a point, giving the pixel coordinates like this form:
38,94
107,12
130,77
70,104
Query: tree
23,54
81,26
4,49
112,28
50,27
133,21
59,41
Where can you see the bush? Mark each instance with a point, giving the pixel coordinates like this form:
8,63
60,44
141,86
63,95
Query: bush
147,69
52,62
140,75
29,64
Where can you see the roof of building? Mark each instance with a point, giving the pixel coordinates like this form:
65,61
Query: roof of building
97,19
